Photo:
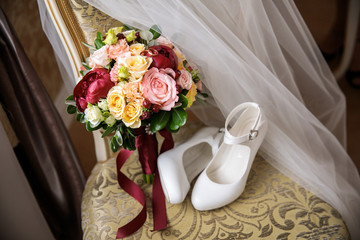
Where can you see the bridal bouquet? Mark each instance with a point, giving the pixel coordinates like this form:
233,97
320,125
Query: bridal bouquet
134,79
135,84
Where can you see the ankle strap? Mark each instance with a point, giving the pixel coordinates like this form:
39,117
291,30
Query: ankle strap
230,139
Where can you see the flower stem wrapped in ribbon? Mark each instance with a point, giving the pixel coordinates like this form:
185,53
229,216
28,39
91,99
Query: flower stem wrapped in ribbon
135,84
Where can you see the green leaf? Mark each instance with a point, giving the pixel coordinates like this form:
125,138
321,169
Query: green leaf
178,117
146,35
116,141
183,100
121,129
132,146
156,31
70,98
118,138
108,131
114,145
152,43
172,127
86,66
172,131
130,132
99,43
184,92
159,121
129,142
99,35
90,128
79,117
88,45
71,109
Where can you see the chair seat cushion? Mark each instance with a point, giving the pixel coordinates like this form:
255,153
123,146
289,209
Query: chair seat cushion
271,207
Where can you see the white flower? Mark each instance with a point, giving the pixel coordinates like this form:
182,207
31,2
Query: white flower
93,115
100,57
110,120
103,104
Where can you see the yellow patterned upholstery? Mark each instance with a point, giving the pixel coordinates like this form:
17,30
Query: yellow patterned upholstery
271,207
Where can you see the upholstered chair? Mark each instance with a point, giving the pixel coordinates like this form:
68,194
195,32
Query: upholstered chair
271,207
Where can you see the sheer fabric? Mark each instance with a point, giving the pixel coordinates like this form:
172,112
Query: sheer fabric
65,67
262,51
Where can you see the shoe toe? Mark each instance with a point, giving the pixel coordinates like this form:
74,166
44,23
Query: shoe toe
207,195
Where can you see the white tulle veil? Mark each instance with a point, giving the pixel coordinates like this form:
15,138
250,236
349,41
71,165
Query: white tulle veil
262,51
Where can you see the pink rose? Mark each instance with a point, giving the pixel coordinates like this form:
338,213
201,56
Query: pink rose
120,49
93,86
199,86
159,87
184,80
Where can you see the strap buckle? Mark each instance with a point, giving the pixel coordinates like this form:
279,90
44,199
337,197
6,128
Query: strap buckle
253,134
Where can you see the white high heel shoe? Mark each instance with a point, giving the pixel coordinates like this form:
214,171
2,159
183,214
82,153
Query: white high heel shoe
224,179
180,165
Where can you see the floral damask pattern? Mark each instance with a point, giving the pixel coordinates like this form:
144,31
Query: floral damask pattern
271,207
91,20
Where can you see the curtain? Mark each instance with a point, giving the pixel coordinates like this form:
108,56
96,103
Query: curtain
45,151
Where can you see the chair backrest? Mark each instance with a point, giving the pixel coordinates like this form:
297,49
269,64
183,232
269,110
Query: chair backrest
77,22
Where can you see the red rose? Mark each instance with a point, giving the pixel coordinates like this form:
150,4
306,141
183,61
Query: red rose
162,56
93,86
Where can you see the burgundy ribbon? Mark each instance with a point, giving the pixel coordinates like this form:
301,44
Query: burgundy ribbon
147,146
158,197
133,190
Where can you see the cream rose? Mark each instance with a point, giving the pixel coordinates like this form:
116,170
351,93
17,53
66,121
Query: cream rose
137,66
184,80
116,102
131,115
136,49
93,115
